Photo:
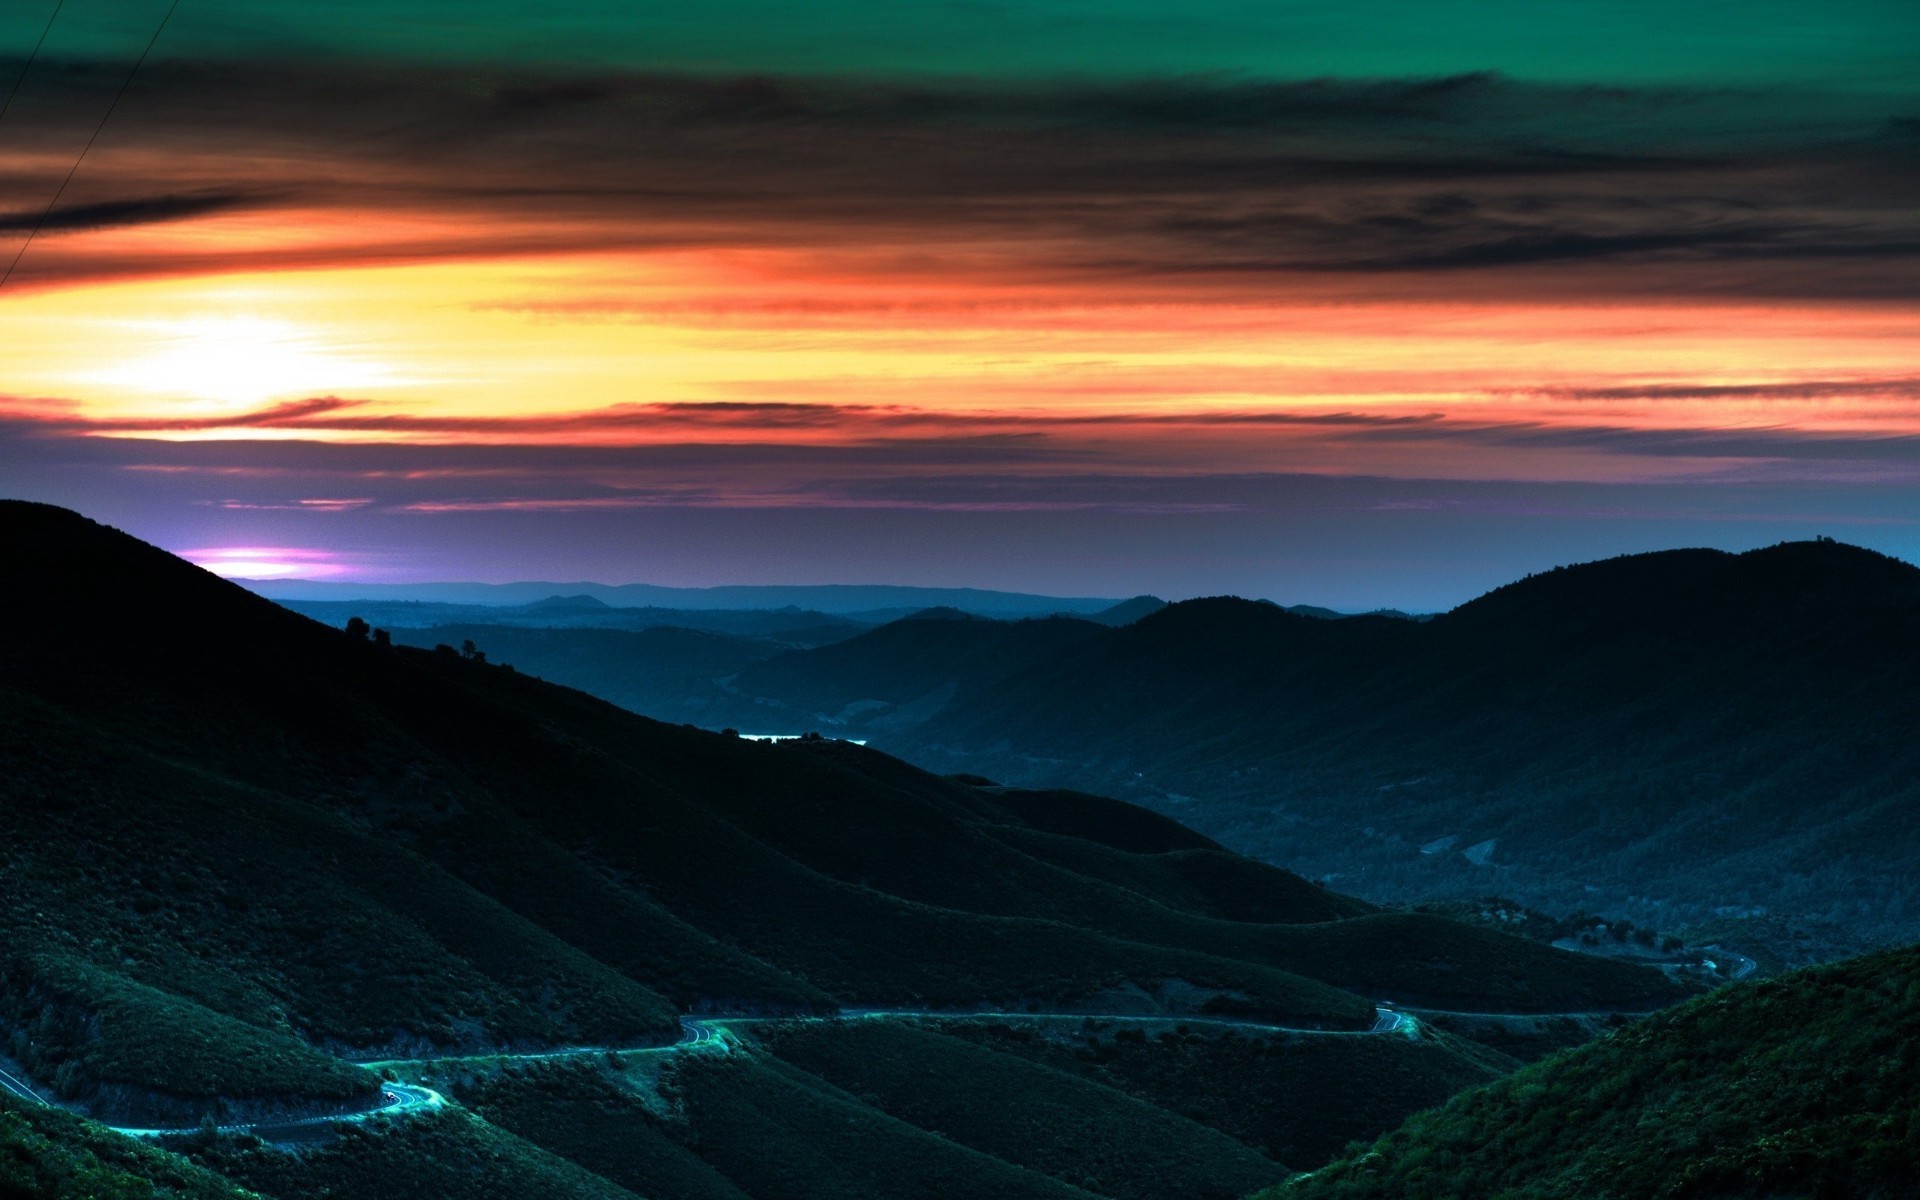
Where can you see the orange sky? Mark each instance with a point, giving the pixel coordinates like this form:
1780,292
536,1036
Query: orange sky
563,348
347,293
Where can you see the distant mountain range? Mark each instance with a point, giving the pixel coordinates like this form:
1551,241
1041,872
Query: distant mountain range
241,849
838,599
1693,740
1685,738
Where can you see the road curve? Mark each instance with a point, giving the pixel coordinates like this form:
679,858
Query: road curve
708,1034
396,1100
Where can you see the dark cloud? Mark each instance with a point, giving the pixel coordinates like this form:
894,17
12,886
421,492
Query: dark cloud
1905,388
1715,191
139,210
721,453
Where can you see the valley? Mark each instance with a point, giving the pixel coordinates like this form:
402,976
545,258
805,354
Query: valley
1604,739
318,912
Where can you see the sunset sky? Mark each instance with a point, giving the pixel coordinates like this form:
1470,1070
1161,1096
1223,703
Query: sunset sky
1371,303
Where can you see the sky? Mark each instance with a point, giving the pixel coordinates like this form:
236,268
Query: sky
1377,303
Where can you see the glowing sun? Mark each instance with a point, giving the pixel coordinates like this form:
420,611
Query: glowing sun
239,360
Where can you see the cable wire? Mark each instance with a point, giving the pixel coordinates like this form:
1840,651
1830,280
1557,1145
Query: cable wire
75,169
22,76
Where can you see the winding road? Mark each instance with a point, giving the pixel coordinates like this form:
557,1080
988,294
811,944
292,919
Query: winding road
699,1034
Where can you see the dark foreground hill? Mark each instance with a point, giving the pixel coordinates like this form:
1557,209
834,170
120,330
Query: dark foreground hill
239,848
1808,1085
1676,737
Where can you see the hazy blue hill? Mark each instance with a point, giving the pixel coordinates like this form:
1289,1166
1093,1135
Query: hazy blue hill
777,628
903,673
825,598
1672,737
1128,611
1802,1086
590,604
664,670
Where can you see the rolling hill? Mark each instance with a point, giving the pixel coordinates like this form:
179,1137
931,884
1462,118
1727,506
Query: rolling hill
242,849
1683,737
1801,1086
903,673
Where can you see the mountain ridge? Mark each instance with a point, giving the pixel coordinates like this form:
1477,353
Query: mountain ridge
241,844
1608,724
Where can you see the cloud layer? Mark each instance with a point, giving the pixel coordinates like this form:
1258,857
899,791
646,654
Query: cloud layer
1474,181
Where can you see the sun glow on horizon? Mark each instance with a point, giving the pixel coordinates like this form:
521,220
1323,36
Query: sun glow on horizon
235,360
686,347
265,562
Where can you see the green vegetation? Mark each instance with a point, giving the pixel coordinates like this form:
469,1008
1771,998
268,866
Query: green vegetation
779,1132
1053,1121
240,848
611,1121
90,1028
1808,1085
449,1153
1296,1099
47,1153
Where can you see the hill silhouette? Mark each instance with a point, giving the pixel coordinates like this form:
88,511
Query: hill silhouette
1128,611
1801,1086
240,847
903,673
1675,737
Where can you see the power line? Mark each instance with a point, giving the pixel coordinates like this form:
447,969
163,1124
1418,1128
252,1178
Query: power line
107,116
22,76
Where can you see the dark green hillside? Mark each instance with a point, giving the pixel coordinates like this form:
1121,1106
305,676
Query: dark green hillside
1674,738
1808,1085
1297,1099
779,1133
219,812
48,1153
1014,1109
450,1153
619,1128
241,849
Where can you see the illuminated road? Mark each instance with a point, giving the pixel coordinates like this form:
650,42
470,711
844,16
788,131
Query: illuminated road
710,1035
397,1100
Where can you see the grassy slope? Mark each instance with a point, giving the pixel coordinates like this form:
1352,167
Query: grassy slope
1298,1100
1023,1112
779,1132
1805,1085
233,839
450,1153
614,1126
494,858
48,1153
